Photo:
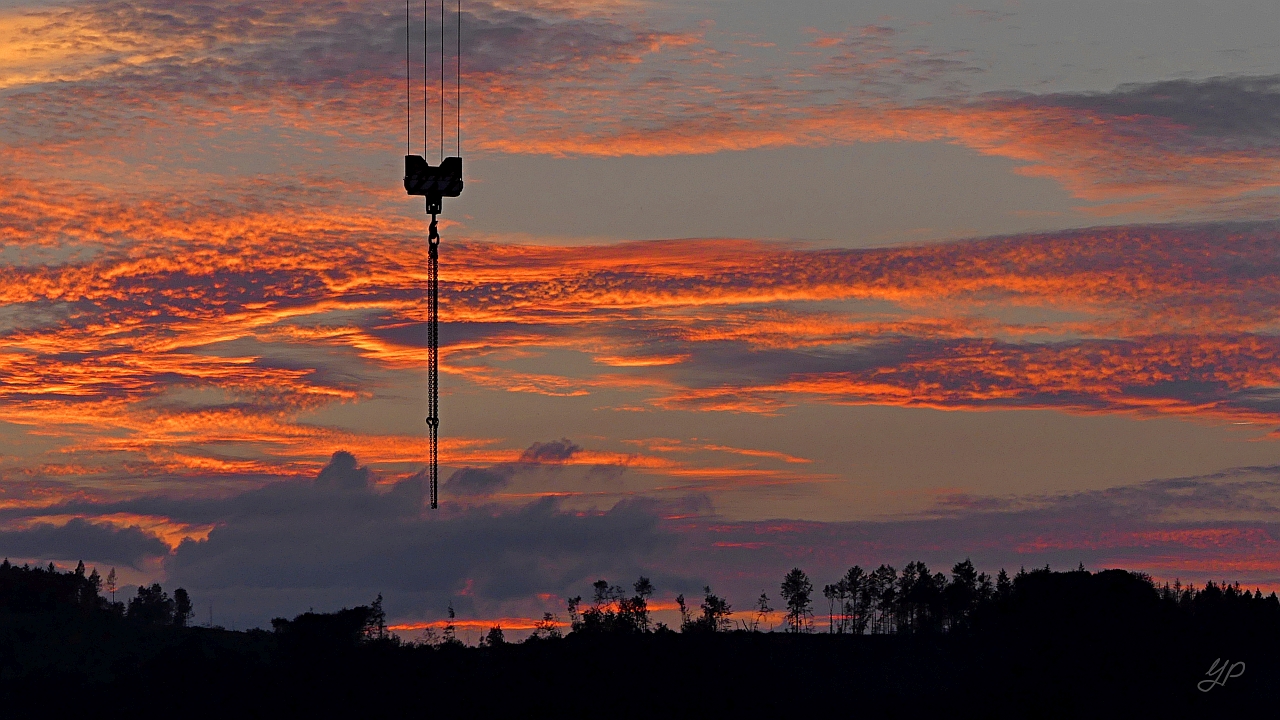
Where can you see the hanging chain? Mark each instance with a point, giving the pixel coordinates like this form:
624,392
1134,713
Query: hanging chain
433,356
433,237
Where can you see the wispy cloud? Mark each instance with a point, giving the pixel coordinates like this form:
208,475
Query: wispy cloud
215,90
206,346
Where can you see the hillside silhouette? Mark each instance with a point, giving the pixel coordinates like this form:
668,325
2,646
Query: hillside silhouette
880,643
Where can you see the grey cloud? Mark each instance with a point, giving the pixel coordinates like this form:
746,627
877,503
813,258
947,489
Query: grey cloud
1231,494
555,451
1185,147
1230,107
479,481
277,561
342,473
474,481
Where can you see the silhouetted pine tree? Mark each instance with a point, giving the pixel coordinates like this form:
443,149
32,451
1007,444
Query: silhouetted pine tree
855,601
796,590
882,589
182,608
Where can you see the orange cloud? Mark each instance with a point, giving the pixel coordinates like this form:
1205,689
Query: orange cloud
169,330
1083,377
170,532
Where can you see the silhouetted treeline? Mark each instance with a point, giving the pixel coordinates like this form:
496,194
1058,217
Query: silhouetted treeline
879,643
347,628
26,590
41,590
917,601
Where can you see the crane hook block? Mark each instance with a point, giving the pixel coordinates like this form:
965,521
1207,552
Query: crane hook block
434,183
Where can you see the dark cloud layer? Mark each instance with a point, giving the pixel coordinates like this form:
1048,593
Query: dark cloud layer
304,540
295,545
80,539
479,481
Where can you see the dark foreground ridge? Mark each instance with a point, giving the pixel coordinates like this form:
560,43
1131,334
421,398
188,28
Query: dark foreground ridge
1041,644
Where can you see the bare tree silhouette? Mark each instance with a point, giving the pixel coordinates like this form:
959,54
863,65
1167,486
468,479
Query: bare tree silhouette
762,612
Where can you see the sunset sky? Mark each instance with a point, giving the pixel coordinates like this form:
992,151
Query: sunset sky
734,286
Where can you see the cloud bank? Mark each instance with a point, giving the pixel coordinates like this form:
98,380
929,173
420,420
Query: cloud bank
340,539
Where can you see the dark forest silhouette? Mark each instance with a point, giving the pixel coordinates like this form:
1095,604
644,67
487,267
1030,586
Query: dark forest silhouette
909,643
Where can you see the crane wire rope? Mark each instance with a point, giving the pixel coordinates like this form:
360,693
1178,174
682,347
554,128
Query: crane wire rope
408,83
442,81
425,90
458,104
